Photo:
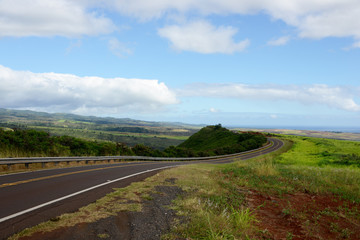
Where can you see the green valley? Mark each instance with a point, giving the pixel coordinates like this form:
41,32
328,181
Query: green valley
157,135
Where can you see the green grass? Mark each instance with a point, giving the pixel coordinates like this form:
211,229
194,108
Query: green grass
213,210
321,152
302,169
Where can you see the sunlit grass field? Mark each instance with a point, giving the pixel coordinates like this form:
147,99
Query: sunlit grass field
309,151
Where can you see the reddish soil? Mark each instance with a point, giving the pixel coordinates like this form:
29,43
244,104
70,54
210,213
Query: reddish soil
305,216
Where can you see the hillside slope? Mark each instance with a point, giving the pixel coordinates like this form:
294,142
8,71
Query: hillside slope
218,140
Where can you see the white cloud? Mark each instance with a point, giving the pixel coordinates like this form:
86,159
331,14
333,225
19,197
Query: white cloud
118,48
67,18
279,42
312,18
335,22
90,95
333,97
202,37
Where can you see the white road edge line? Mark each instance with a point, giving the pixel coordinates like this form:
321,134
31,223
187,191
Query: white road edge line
77,193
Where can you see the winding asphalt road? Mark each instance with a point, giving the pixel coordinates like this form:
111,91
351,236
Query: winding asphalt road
29,198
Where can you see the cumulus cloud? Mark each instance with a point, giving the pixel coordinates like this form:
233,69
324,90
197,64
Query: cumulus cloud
312,18
67,18
280,41
202,37
90,95
333,97
336,22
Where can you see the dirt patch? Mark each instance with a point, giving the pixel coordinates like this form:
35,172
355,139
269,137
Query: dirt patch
305,216
156,217
115,227
154,220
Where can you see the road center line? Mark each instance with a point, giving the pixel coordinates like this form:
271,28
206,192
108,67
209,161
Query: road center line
66,174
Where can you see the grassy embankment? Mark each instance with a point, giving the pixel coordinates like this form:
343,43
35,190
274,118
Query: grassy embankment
301,193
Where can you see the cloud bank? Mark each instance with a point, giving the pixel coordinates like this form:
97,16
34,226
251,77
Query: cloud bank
334,97
313,19
54,92
83,95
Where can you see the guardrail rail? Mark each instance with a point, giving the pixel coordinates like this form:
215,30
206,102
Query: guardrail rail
56,160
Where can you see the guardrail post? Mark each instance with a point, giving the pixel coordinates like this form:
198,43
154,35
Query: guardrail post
9,166
43,164
27,165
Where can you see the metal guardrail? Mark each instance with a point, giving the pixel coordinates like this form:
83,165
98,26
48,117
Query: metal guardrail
56,160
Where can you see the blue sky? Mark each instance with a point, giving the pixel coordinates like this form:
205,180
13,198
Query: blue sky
244,63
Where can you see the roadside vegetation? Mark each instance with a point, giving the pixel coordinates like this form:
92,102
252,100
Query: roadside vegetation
289,194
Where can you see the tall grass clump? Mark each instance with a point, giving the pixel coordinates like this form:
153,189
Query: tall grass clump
213,208
343,182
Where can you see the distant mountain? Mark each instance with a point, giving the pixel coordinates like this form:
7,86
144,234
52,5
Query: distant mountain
9,114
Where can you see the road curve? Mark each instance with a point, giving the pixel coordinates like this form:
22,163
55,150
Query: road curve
29,198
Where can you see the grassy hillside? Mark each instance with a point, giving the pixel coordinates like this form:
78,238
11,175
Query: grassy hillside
218,140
